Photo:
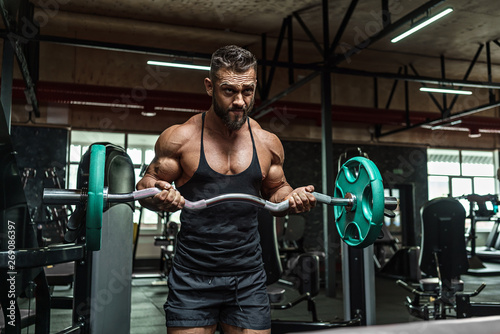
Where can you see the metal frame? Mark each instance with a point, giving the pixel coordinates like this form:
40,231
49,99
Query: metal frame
446,115
358,273
20,44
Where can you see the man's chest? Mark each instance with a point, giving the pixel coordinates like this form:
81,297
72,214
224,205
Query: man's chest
224,157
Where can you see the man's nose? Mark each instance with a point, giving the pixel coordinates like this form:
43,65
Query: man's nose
238,101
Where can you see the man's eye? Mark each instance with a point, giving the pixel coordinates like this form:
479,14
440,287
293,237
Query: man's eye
228,90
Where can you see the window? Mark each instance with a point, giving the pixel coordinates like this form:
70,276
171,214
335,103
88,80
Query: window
139,147
459,173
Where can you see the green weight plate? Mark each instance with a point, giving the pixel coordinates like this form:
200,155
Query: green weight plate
95,201
361,226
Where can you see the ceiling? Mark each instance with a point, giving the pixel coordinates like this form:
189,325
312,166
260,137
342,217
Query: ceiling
456,37
195,28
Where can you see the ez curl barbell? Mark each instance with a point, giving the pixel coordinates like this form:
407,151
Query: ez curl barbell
359,202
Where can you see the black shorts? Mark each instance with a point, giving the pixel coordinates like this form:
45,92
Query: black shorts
201,300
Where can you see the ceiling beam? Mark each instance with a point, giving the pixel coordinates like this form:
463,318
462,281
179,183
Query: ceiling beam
123,47
342,27
338,58
467,73
421,79
436,121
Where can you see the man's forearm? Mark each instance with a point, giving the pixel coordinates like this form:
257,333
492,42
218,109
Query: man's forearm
144,183
280,194
148,204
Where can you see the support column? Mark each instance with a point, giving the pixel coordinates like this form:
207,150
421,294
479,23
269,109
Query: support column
328,181
7,77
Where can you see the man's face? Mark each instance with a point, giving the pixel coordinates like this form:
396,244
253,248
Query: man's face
233,96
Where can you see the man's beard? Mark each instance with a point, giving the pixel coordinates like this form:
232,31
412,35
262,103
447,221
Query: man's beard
232,125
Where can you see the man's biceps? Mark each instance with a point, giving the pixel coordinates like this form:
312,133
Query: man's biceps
276,173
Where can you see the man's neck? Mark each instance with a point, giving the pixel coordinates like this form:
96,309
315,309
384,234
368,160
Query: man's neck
216,124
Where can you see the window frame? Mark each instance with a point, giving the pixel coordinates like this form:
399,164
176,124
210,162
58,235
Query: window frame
481,226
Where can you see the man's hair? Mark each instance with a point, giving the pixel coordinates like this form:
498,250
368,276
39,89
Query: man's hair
233,58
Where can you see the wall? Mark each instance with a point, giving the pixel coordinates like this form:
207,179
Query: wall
41,155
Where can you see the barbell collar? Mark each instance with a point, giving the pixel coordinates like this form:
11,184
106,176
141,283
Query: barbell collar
64,196
336,201
391,203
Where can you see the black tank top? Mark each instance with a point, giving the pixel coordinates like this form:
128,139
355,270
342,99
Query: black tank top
223,239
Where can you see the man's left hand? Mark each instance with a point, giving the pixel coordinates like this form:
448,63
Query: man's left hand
301,199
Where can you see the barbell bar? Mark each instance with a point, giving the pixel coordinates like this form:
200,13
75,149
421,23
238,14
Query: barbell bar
359,203
79,196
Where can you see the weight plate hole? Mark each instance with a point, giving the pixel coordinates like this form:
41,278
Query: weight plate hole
367,203
338,210
352,232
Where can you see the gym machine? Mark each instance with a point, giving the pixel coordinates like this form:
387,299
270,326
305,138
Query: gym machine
102,287
440,294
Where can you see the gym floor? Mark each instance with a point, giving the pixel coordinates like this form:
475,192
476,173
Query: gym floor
149,295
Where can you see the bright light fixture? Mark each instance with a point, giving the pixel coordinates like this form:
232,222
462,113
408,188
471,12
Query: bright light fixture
105,104
445,91
422,25
179,65
148,113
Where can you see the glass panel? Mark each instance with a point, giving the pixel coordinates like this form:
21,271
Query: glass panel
443,162
137,172
438,186
484,185
149,156
73,170
136,155
150,221
443,168
477,163
466,205
393,224
137,214
461,186
135,140
75,153
85,149
89,137
442,155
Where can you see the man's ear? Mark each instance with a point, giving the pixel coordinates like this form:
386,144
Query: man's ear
209,87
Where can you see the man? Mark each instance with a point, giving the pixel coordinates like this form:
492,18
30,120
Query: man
218,274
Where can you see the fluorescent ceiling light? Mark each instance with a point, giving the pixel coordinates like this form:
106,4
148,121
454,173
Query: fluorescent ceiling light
445,91
179,65
178,109
446,124
148,113
422,25
104,104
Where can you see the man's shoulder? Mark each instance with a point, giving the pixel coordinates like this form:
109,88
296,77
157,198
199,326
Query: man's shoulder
267,141
176,137
264,135
184,130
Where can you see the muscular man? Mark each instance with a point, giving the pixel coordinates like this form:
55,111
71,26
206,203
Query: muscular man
218,274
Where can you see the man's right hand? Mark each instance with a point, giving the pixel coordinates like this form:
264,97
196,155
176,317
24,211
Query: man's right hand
169,199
